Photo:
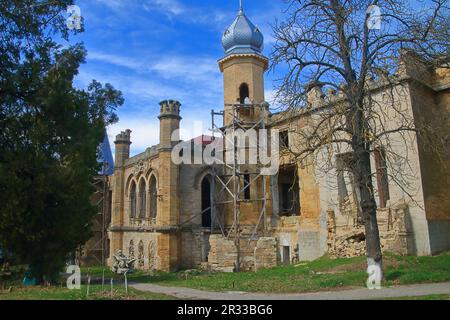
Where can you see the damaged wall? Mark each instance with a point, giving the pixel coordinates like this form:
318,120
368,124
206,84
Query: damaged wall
394,224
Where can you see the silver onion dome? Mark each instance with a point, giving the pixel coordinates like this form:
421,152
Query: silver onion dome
242,36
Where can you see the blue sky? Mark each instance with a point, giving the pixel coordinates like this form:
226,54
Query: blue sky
153,50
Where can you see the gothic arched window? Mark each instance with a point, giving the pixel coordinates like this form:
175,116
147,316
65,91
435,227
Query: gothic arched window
153,197
133,200
244,93
142,199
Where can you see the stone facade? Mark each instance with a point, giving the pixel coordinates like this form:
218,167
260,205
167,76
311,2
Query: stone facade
223,254
160,209
266,253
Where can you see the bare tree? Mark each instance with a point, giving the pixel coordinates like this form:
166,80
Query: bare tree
338,45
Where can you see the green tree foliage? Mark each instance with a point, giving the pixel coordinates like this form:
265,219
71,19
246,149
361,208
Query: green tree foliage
49,133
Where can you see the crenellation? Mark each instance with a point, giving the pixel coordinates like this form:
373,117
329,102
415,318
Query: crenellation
124,137
169,107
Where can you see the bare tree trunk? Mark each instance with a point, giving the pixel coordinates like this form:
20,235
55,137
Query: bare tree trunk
369,211
363,173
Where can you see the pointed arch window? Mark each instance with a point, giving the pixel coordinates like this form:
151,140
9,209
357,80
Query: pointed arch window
153,197
133,200
142,199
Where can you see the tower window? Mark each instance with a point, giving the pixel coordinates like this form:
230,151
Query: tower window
243,93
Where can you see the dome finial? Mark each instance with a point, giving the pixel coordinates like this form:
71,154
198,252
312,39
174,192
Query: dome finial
241,9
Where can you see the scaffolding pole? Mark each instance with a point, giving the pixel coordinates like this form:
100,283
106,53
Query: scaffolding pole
97,251
231,173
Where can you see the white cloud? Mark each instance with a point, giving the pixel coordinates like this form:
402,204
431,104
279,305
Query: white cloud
179,69
270,95
142,95
114,59
169,66
190,68
198,15
170,6
138,86
148,78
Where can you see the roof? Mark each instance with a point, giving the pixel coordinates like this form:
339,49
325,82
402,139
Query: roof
203,140
242,36
104,157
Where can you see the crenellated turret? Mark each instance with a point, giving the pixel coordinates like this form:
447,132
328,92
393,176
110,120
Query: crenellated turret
123,142
169,118
169,175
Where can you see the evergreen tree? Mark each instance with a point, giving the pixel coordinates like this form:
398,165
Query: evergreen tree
49,133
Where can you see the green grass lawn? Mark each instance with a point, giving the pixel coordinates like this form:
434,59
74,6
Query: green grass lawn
321,274
11,288
62,293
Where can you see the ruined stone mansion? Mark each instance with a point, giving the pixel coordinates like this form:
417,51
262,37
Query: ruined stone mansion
170,216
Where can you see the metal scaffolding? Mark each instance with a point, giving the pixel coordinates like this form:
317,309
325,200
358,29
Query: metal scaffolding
232,180
95,251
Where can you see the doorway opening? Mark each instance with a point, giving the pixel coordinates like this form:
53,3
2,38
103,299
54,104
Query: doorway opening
286,255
